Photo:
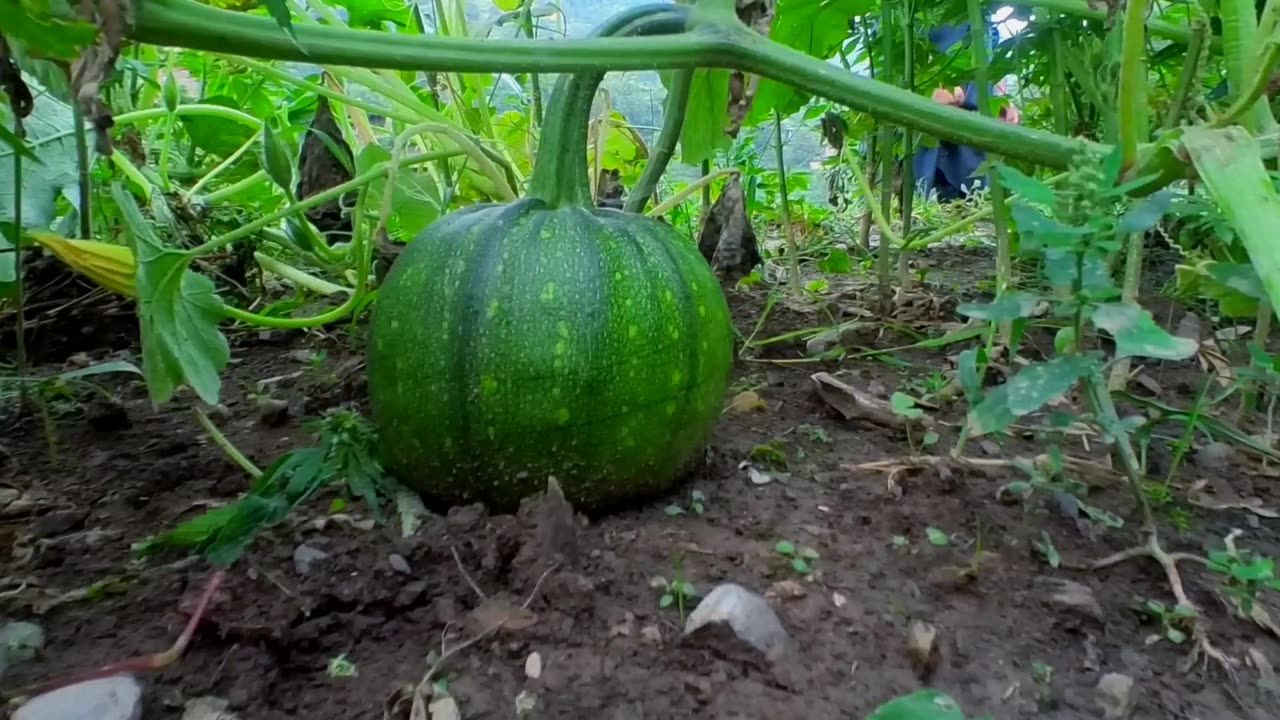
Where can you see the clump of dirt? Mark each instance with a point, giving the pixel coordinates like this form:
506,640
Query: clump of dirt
894,550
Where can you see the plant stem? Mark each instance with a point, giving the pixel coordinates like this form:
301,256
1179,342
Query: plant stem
1119,379
1085,10
377,171
1058,79
884,280
673,110
223,193
789,232
887,235
1242,105
188,24
979,37
1240,48
226,446
1188,77
1132,96
19,284
906,197
85,211
526,21
701,183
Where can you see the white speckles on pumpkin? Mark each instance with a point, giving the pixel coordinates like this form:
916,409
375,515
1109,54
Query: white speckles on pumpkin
555,391
494,307
489,385
563,327
548,292
702,311
562,415
561,347
395,324
633,331
676,377
617,275
671,408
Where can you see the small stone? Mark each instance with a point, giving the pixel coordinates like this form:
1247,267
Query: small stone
410,594
273,412
651,633
399,564
786,590
58,523
821,343
107,415
1115,696
80,360
748,614
305,558
1215,456
922,649
839,600
208,708
303,355
533,666
1071,595
7,496
219,413
19,642
112,698
445,708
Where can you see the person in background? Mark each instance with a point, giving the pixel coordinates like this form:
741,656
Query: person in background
948,169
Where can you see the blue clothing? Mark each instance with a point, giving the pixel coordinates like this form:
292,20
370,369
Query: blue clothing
949,169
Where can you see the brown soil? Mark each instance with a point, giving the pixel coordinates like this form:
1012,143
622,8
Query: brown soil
607,649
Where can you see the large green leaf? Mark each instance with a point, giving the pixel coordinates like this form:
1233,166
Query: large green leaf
55,37
179,312
706,118
1012,305
814,27
1229,162
1028,391
1137,334
919,705
415,198
50,132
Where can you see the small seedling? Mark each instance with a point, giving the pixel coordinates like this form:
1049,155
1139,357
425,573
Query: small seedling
677,591
816,434
341,667
1175,622
1041,672
900,541
1047,549
771,455
801,558
1245,573
937,537
697,505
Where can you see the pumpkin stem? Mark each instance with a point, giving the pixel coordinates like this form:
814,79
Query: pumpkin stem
560,172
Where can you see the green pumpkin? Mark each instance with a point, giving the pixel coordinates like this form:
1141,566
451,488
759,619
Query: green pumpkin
546,337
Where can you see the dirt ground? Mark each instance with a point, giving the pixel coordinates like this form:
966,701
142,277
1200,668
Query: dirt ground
1004,646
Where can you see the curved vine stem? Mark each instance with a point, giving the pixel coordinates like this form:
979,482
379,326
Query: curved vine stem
672,125
712,42
699,184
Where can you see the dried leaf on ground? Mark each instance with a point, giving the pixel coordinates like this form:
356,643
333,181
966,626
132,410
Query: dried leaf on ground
854,404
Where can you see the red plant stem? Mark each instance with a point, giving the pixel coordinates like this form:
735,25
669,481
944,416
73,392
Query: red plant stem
145,663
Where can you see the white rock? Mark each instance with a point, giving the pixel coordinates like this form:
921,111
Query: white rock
305,558
112,698
207,708
533,666
747,613
1115,695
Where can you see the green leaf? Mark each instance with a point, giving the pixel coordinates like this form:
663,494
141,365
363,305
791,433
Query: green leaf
1238,277
919,705
51,135
415,199
931,438
800,565
112,366
967,371
904,405
8,137
1027,189
1060,271
1145,214
1010,306
508,5
279,10
1176,636
1028,391
277,158
1137,334
1050,552
666,600
179,312
706,118
837,261
814,27
54,37
785,547
673,510
936,536
1229,161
